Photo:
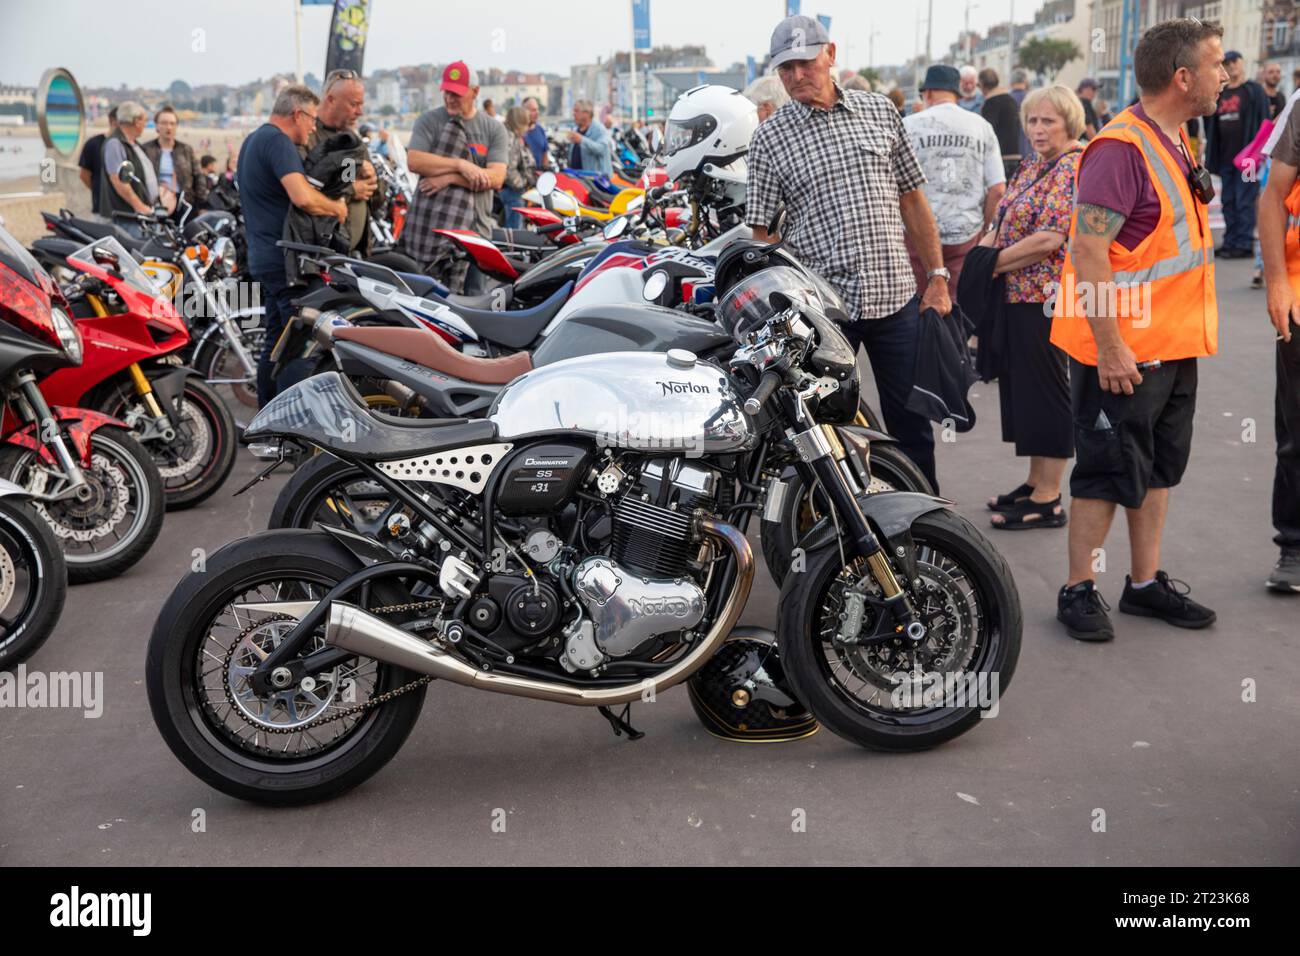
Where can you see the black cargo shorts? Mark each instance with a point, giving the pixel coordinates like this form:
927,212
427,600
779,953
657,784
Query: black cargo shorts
1125,444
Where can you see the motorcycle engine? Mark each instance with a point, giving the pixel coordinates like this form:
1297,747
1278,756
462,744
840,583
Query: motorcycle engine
645,587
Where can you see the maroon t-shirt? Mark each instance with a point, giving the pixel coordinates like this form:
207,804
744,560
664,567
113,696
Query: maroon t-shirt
1113,175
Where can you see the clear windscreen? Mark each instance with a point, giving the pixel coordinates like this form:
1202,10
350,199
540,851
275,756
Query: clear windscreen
127,267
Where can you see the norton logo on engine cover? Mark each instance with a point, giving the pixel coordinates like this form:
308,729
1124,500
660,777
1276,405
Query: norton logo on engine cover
684,388
665,606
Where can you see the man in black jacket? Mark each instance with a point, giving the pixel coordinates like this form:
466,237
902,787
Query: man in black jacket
1243,107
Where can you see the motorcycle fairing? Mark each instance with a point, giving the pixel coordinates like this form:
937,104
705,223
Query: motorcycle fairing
81,422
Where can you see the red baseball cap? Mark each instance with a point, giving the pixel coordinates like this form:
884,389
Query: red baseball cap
458,78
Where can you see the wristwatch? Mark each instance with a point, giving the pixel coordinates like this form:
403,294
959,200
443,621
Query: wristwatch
941,272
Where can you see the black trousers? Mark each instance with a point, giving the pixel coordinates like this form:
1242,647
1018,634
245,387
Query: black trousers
891,348
1034,391
1286,480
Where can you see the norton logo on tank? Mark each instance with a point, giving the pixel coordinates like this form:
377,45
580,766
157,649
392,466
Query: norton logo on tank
684,388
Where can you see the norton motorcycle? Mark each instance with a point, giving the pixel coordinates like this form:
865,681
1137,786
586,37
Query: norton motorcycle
86,476
586,546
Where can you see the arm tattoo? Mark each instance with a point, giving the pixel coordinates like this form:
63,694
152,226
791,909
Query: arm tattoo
1099,221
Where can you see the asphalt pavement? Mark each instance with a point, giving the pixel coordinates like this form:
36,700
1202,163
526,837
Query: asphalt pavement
1164,747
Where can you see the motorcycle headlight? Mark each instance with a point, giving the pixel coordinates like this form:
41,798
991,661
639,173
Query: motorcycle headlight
68,335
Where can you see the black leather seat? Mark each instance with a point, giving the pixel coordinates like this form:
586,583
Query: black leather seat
100,230
517,328
327,411
519,238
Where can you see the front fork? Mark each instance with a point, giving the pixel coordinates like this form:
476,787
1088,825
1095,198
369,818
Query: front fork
32,408
162,426
817,453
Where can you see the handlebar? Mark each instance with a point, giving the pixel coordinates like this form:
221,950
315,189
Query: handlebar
769,383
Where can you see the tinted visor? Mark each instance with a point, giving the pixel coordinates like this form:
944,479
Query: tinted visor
682,134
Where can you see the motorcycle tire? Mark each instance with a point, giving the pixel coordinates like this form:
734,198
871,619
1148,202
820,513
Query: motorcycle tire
891,470
214,360
115,455
808,621
311,488
33,581
203,741
212,429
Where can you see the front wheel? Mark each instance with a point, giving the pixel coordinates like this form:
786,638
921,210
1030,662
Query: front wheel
223,369
113,520
891,694
33,581
304,743
195,463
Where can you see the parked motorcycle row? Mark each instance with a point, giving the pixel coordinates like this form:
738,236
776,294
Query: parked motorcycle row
544,490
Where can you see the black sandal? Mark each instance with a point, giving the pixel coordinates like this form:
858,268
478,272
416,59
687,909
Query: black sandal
1047,514
1010,499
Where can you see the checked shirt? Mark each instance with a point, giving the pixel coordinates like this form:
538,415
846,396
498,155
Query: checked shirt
840,173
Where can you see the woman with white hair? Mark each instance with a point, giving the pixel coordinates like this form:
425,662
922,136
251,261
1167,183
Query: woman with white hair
1032,224
768,94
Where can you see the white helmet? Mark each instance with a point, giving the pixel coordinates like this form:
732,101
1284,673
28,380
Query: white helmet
709,125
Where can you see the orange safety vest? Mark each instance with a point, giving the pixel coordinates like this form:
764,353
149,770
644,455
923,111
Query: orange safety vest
1164,296
1293,237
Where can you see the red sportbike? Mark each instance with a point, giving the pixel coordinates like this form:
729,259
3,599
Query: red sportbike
83,472
133,371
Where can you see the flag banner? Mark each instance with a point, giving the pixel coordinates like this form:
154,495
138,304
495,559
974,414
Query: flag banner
347,40
641,24
316,3
751,70
825,21
791,8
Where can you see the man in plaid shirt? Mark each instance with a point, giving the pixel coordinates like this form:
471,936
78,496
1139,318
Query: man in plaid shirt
840,163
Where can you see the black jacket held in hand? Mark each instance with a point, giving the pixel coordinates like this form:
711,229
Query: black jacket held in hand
331,166
980,294
943,373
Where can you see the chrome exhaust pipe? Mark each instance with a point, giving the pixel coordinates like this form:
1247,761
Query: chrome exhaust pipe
365,634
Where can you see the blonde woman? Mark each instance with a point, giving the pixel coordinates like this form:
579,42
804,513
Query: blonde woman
521,171
1030,229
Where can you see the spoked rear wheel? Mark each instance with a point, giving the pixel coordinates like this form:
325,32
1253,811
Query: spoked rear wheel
307,742
894,695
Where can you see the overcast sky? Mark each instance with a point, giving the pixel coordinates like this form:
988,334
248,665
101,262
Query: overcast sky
150,43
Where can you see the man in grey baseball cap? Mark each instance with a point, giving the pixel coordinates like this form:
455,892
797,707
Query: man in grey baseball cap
840,164
797,38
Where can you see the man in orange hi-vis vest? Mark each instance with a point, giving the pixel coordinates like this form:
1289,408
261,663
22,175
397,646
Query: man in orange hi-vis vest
1135,310
1279,239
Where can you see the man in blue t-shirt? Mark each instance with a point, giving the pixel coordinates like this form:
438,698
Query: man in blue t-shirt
271,178
535,137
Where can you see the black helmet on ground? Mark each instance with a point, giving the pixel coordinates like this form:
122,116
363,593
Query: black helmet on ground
742,694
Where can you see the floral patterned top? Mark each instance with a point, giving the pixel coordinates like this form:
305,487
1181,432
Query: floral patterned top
1031,205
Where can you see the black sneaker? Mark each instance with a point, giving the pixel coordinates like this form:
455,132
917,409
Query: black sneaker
1164,599
1082,610
1286,573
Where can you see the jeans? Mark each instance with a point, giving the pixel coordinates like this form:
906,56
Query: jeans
275,297
1239,198
891,348
511,198
1286,480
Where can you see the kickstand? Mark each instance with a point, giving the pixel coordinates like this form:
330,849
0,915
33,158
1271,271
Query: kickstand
620,722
